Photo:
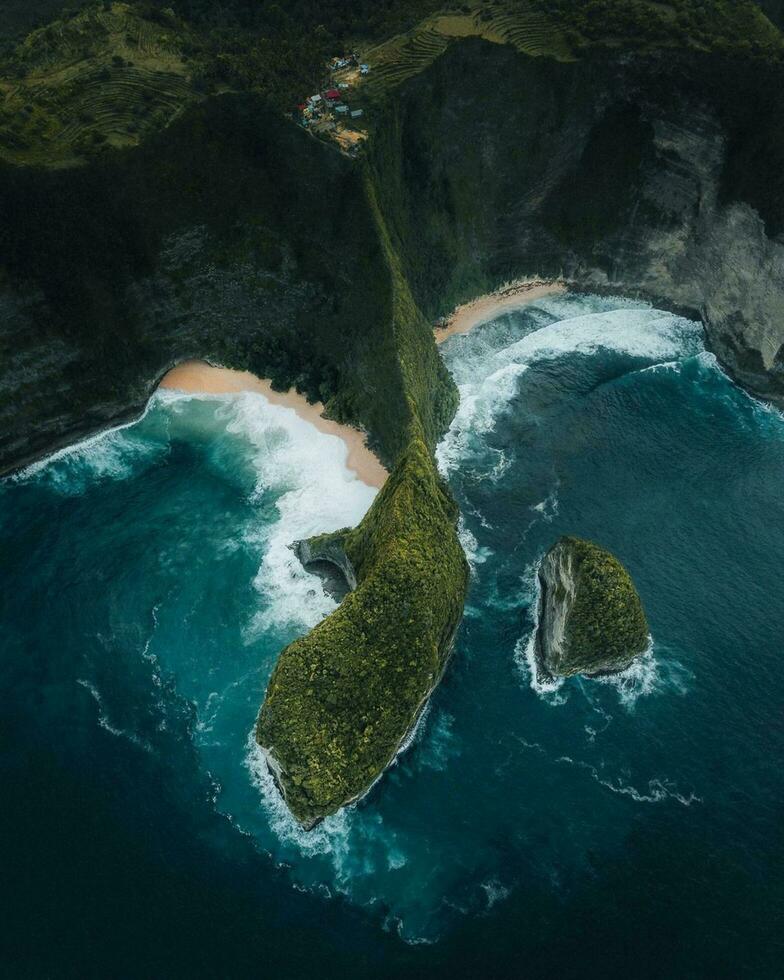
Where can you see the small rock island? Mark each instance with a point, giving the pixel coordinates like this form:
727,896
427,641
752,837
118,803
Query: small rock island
591,619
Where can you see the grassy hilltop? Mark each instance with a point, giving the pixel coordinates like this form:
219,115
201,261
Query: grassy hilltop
107,75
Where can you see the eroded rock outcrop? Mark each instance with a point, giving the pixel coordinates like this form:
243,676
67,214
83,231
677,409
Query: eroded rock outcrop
591,619
325,555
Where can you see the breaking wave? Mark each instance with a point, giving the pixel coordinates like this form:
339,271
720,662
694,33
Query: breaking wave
488,371
305,471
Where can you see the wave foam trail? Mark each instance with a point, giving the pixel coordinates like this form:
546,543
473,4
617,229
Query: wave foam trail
103,719
314,492
549,689
659,788
641,678
356,844
113,454
488,377
474,552
330,837
644,333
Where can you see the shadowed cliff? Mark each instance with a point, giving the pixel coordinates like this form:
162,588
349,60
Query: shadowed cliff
660,176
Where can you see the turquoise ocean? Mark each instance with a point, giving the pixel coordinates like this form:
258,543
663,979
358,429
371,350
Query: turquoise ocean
628,826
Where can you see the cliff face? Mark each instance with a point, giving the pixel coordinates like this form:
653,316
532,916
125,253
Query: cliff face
232,236
633,176
774,10
342,699
591,620
240,238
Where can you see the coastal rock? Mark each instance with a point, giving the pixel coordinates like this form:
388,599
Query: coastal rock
325,556
343,700
591,619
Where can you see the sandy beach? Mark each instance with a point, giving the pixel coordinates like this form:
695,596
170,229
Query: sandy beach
198,376
484,308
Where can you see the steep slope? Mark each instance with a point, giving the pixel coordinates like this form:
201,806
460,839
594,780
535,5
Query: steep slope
210,240
107,76
234,238
591,619
638,177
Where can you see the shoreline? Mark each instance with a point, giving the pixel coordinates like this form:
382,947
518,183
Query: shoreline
511,296
199,377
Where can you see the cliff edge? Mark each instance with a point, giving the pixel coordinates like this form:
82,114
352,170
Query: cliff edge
591,619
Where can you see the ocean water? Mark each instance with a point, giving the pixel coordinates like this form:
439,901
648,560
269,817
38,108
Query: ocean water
627,826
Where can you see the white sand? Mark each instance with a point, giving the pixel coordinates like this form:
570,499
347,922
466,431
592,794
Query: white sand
485,308
198,376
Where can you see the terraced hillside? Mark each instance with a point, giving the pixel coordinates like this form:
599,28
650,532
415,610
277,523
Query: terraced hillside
518,24
103,77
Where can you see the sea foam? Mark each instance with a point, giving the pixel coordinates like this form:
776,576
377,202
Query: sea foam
487,366
305,471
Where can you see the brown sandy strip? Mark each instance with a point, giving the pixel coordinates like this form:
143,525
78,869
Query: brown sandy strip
485,308
199,377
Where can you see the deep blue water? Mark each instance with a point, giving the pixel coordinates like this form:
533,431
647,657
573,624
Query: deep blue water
628,827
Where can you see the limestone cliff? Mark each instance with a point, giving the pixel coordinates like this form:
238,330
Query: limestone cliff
591,620
655,176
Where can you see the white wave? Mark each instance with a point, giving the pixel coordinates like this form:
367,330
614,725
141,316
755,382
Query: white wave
475,554
474,512
103,718
305,471
547,508
414,734
83,449
330,837
114,454
317,493
488,377
640,678
659,788
501,466
548,688
646,333
480,403
494,891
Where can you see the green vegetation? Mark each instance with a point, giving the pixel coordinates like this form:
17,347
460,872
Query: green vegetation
606,626
104,77
107,74
234,236
342,698
518,24
722,26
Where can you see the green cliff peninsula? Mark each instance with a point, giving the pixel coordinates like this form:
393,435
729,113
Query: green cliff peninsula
591,619
342,699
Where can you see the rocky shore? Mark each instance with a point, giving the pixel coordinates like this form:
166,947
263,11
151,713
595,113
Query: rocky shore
591,620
